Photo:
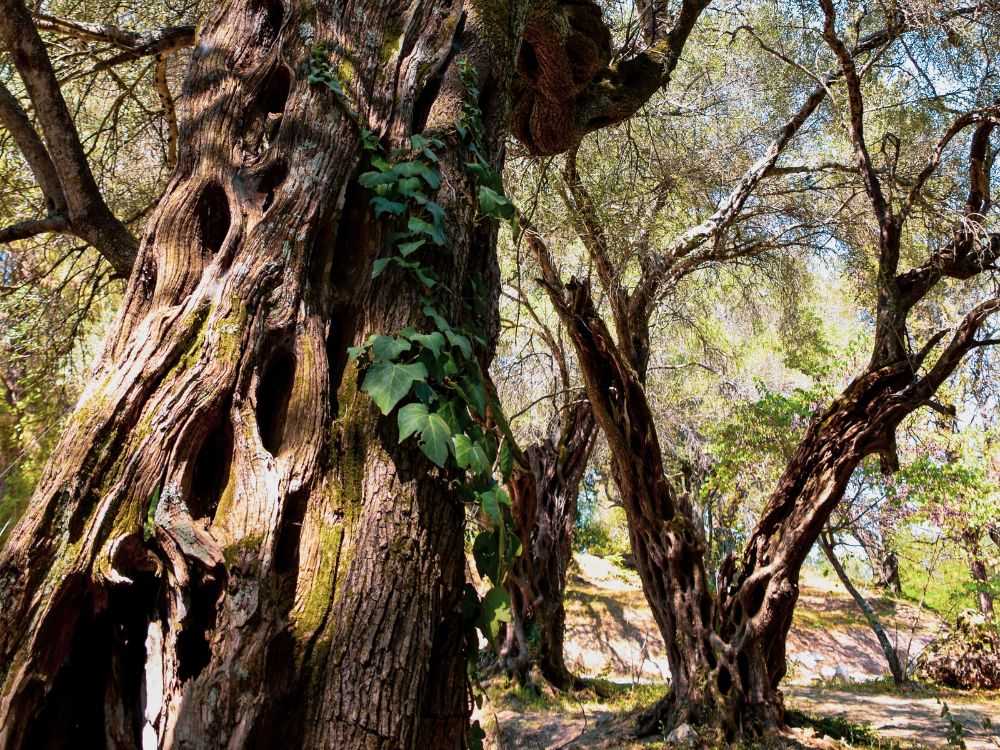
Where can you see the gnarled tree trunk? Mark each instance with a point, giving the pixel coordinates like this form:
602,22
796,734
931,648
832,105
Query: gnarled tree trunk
544,499
727,650
229,548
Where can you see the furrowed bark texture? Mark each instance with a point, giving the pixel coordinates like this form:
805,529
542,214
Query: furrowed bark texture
545,509
229,548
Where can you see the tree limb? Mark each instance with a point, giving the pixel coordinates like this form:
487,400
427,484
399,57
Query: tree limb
88,214
25,229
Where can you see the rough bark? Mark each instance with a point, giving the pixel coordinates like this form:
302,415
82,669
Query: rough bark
544,498
891,657
229,548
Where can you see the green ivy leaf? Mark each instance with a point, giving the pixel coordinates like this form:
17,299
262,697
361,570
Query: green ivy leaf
436,439
475,394
386,206
461,342
490,503
470,455
407,248
380,265
506,461
493,204
411,187
371,180
388,347
434,231
417,169
435,211
433,341
494,610
411,419
486,553
426,276
388,382
440,322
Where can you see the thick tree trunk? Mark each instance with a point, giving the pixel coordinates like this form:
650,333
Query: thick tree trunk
229,548
545,509
891,657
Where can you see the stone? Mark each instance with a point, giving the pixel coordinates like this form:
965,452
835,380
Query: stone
683,736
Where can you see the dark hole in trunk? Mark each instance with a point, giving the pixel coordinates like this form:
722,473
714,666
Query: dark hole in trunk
274,94
706,644
269,14
110,645
724,681
755,600
582,58
213,217
287,549
271,180
706,608
211,470
743,665
193,649
280,723
527,62
427,95
273,394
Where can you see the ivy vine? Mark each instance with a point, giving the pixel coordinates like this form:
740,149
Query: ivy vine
432,377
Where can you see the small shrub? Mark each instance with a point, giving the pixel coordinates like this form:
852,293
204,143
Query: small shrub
967,657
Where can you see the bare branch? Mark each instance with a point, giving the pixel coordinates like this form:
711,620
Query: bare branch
962,342
14,118
855,122
977,178
169,110
165,40
26,229
89,216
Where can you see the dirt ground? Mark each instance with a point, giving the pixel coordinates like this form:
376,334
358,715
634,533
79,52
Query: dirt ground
833,660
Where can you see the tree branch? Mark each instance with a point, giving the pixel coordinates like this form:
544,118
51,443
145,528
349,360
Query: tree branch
88,214
855,122
25,229
14,118
962,342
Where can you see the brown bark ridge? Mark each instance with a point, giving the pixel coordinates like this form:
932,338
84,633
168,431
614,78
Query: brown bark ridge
979,571
229,548
544,499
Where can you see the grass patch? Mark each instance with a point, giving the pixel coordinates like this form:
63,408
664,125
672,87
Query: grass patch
858,735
